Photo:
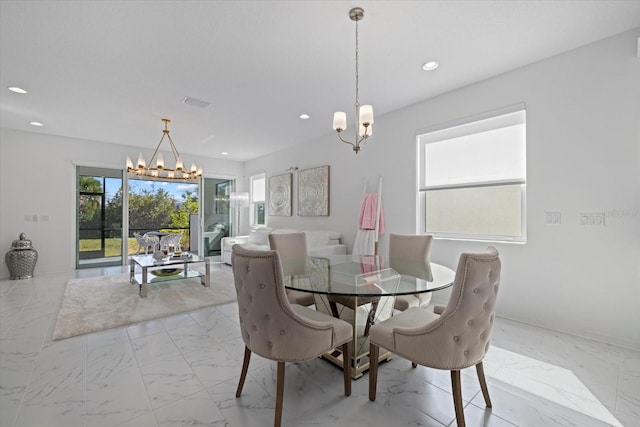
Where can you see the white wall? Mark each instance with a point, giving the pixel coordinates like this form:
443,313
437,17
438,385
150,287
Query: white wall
37,176
583,155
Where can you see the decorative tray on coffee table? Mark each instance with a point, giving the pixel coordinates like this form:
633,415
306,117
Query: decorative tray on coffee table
165,272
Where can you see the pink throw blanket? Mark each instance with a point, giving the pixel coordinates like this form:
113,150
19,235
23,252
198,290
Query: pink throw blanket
368,213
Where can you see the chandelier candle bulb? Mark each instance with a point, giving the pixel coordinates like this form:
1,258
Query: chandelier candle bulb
160,161
141,162
339,121
366,114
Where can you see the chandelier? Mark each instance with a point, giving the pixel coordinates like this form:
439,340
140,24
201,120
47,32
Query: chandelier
158,170
364,113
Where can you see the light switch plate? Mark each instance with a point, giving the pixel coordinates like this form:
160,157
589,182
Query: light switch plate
596,219
552,218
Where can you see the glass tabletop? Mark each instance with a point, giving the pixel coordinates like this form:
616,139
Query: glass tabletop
150,261
350,275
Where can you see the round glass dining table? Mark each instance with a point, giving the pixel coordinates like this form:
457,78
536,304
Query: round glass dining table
361,290
352,275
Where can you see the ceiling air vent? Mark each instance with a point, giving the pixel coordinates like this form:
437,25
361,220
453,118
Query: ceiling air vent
196,102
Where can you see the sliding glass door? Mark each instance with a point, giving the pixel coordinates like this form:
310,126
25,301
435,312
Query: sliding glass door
153,205
163,207
98,217
218,217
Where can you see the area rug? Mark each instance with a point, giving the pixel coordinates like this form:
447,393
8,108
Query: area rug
98,303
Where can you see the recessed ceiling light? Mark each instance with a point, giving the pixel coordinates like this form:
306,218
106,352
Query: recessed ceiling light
305,116
224,153
430,65
17,89
36,124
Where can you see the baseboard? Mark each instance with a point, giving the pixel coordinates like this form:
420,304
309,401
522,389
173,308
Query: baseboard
630,345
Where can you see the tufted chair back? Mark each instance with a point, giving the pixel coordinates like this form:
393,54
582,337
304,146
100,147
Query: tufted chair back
409,254
276,329
292,248
457,338
460,337
269,325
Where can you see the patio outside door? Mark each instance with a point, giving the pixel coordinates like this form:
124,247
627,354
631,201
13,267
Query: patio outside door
218,216
99,217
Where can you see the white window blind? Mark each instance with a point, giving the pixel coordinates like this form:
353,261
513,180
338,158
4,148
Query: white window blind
258,185
257,197
473,179
494,155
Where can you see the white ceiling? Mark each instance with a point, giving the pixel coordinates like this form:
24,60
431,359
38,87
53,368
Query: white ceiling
110,70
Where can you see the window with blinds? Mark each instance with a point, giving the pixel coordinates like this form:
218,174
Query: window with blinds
257,197
473,178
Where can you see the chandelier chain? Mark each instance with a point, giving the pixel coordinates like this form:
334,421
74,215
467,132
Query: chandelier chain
357,66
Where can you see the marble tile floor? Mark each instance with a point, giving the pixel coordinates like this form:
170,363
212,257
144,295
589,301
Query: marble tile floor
182,371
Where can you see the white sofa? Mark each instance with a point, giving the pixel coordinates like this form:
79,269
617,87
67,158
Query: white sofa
213,238
319,242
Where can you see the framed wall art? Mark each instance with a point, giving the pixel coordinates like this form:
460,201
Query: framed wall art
280,195
313,191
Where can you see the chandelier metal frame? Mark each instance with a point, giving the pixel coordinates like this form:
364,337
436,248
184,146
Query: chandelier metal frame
364,113
159,171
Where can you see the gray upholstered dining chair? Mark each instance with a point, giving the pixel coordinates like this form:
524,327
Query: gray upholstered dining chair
276,329
409,254
292,248
457,338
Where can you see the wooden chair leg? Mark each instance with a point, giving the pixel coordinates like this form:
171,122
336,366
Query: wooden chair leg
245,368
346,367
457,397
483,384
279,395
414,365
374,351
